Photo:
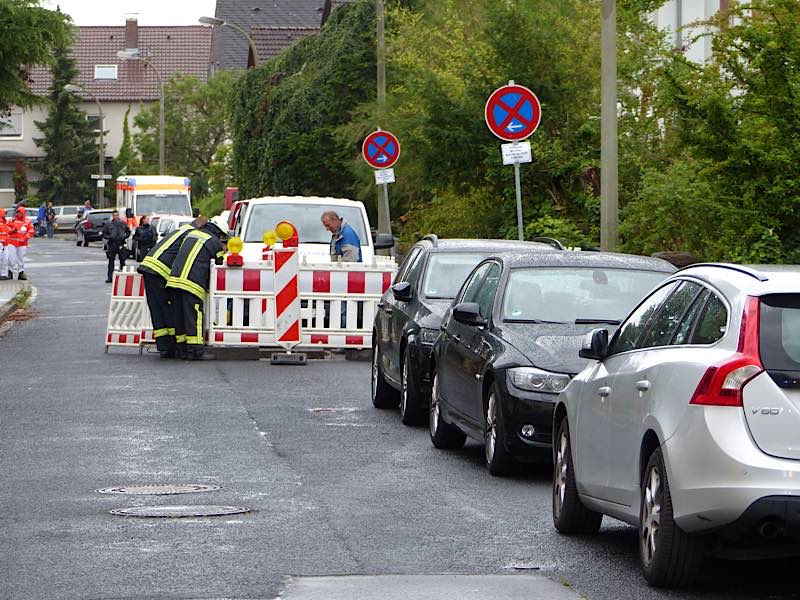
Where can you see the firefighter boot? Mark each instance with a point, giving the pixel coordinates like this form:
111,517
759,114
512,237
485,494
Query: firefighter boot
22,276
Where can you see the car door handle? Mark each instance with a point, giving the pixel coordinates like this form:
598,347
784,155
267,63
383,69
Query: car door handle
643,385
385,308
603,391
457,338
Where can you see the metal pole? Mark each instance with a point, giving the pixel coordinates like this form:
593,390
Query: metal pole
520,229
250,41
384,215
101,162
609,176
160,115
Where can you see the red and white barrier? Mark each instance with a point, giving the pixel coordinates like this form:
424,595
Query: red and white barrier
128,316
287,298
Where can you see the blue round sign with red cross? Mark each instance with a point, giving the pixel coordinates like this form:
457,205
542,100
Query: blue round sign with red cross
513,112
381,149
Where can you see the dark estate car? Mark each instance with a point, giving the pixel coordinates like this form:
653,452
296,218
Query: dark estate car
410,314
510,342
90,227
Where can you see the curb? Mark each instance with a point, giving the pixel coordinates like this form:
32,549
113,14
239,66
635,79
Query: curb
7,310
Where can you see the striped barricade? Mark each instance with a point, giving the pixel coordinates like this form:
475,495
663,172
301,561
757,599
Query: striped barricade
128,316
337,304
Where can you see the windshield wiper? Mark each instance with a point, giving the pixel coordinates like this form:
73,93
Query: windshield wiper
536,321
595,321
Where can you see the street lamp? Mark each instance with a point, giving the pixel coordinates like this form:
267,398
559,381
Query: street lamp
127,55
214,22
101,159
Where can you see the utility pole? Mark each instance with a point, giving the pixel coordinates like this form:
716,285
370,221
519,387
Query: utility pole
609,162
384,219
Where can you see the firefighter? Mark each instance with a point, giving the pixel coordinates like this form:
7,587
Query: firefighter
189,279
155,270
20,230
3,244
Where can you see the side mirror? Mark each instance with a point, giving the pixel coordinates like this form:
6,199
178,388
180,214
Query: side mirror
128,213
402,291
595,345
384,241
468,313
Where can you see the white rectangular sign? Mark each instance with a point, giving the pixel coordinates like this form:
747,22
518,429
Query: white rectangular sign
384,176
101,183
519,152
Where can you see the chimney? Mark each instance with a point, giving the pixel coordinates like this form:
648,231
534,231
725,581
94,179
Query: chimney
131,34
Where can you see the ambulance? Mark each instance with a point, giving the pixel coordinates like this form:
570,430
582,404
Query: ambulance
151,194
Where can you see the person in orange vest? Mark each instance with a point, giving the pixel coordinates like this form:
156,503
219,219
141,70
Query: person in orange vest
3,243
20,230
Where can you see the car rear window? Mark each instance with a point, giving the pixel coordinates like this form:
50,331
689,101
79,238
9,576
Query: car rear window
779,332
98,217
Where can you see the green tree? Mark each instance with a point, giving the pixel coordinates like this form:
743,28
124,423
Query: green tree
69,143
197,124
30,36
20,181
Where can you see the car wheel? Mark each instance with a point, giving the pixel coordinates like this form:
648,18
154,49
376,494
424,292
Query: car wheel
383,395
569,513
443,435
411,409
498,460
669,556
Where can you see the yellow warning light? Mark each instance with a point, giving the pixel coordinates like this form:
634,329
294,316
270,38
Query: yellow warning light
235,245
270,238
285,230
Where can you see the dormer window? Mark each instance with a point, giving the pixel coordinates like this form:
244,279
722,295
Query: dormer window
105,71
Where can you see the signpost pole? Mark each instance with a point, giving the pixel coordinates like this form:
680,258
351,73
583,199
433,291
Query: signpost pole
384,214
520,231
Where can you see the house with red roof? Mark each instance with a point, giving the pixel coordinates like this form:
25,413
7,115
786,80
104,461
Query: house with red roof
117,85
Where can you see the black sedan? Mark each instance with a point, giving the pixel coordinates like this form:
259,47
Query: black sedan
410,314
90,227
510,344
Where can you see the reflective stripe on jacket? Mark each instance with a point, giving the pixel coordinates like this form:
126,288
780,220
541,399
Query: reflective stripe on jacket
192,267
161,256
19,232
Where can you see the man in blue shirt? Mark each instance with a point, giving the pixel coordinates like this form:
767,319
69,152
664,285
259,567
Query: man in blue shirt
41,222
345,242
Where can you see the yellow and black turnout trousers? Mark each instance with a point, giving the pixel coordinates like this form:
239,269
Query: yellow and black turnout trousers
188,283
155,269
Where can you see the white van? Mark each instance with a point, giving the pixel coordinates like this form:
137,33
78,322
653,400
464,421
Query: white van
252,218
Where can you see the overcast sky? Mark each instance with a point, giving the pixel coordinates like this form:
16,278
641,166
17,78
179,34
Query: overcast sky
148,12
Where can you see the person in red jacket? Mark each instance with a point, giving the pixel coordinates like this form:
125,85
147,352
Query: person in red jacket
3,244
20,230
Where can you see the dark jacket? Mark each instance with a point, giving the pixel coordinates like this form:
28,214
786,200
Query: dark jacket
192,267
145,235
160,258
115,232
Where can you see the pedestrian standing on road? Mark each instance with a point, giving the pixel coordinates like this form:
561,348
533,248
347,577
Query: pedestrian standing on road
41,219
144,238
87,208
189,279
155,269
3,246
20,230
50,219
115,232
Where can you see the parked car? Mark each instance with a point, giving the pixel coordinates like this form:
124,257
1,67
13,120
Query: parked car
409,317
509,345
90,227
164,224
66,217
685,424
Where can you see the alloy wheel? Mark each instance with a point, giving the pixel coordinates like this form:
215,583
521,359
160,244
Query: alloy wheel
433,414
491,428
375,359
561,469
651,514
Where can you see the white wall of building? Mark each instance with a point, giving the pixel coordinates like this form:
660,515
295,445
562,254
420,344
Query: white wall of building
675,15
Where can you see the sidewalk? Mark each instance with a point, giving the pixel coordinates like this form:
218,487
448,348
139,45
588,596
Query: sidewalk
9,289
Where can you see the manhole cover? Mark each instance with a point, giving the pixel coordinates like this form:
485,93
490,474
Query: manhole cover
200,510
160,489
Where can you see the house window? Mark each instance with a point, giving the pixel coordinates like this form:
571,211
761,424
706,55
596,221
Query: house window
105,71
7,180
11,124
96,121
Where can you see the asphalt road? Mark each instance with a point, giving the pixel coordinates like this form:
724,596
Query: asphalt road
336,488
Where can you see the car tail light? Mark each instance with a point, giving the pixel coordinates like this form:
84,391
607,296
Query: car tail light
87,225
723,382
